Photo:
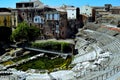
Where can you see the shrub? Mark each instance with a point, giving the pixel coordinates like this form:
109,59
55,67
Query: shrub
42,63
53,46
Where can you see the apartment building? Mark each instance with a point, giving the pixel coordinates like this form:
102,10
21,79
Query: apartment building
5,17
88,13
107,13
71,11
56,24
51,21
30,11
115,10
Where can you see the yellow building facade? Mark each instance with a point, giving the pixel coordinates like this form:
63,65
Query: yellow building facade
5,19
8,17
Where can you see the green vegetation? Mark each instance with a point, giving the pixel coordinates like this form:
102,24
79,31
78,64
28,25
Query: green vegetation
8,63
41,63
45,63
66,64
25,32
53,46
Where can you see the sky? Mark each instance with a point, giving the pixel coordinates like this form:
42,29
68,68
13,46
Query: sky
77,3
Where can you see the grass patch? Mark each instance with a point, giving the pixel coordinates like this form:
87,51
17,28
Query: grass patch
8,63
45,63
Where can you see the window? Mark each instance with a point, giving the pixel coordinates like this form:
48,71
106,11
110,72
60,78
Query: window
42,20
48,16
30,15
36,19
52,16
57,28
57,22
47,33
62,32
23,5
58,18
23,14
30,24
55,16
5,21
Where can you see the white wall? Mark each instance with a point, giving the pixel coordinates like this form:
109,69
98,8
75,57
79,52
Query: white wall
71,13
86,10
49,16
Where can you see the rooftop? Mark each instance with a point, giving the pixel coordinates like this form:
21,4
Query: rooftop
5,13
30,1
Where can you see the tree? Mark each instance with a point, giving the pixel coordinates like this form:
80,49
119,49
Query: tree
25,32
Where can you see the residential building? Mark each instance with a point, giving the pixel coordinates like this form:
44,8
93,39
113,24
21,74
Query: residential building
51,21
101,11
27,11
56,24
74,19
87,13
32,12
86,10
71,11
107,13
5,17
29,4
115,10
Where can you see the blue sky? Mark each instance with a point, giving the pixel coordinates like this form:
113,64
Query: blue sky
77,3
